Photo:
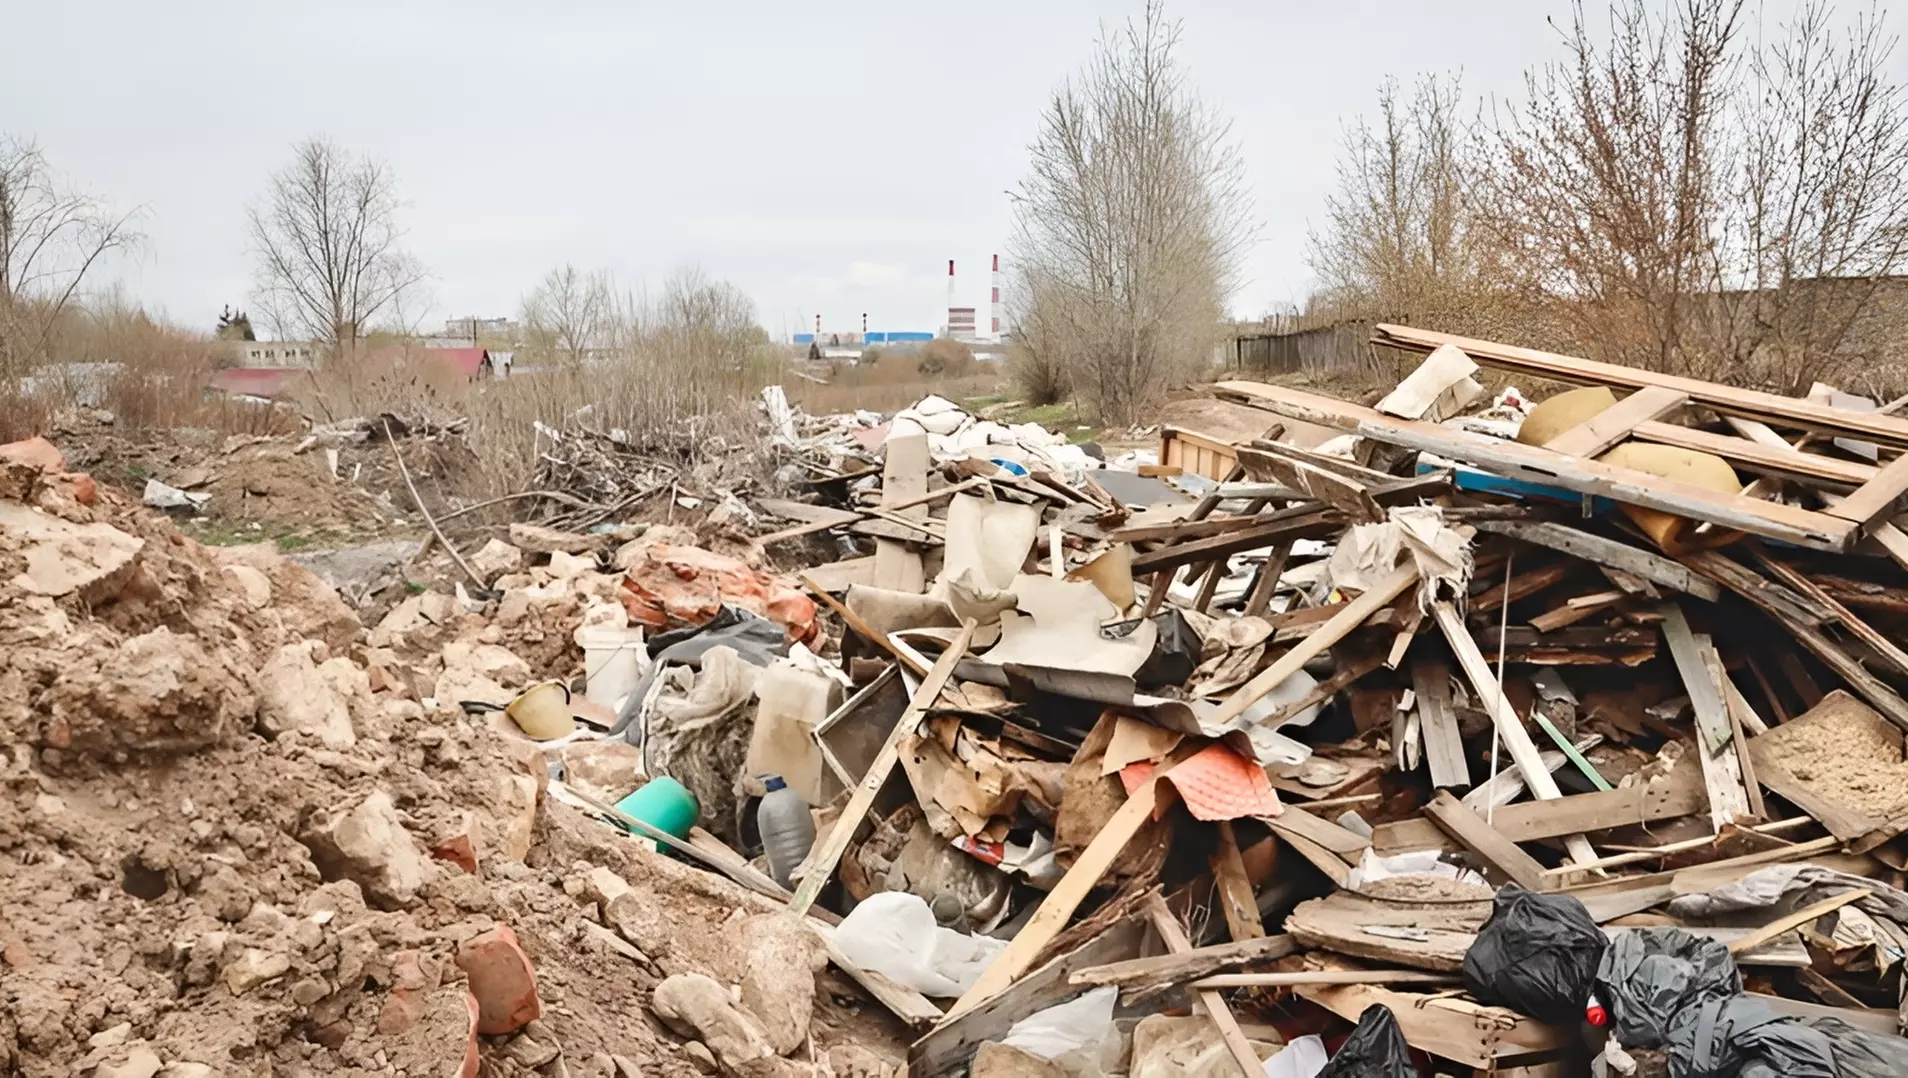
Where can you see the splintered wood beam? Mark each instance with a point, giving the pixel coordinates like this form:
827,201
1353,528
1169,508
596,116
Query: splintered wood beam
1614,424
1443,743
1606,552
1523,750
1716,746
1174,937
1535,464
1729,400
822,862
1340,626
1168,969
1236,897
1496,851
1521,586
1876,498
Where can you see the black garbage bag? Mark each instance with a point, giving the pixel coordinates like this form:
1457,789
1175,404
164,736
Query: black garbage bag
1861,1054
1537,954
1649,975
1743,1037
1375,1049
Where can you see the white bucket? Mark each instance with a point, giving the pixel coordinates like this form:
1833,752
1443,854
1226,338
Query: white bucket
613,662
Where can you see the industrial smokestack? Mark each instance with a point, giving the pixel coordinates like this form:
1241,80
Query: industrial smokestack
993,303
818,325
950,297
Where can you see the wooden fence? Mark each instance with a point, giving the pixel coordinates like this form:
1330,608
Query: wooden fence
1342,347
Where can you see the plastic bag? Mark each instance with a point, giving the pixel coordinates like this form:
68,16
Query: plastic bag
1649,975
1303,1058
1076,1025
1861,1054
1537,954
1375,1049
1742,1036
894,933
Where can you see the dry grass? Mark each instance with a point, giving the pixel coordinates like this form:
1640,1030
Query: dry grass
892,382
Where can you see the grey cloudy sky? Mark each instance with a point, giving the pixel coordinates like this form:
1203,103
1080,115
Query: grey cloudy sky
827,156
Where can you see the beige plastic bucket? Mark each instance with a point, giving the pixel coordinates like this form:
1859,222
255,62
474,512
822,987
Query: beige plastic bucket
613,662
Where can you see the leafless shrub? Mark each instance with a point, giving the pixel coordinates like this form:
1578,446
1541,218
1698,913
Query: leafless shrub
946,357
327,244
51,237
1129,228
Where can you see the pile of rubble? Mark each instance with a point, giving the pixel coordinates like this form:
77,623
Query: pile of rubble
241,837
1464,733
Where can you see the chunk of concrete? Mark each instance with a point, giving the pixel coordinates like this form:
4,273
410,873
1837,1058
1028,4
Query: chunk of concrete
93,561
697,1007
141,1062
295,694
252,968
778,987
496,558
368,844
541,540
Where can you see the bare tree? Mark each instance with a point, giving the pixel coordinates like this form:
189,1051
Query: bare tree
1397,239
1606,186
1130,225
569,314
327,244
51,238
1824,195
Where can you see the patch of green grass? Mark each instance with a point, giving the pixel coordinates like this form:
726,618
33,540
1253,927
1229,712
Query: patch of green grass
415,588
136,470
289,543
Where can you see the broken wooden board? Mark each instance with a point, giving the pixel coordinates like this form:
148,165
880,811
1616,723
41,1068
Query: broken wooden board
1340,626
1235,894
1489,845
1138,974
1523,751
1606,552
1614,424
1840,762
948,1048
1715,738
1429,935
1680,793
1513,460
1174,937
1728,400
1487,1038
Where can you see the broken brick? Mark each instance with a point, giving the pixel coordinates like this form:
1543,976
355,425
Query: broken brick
502,979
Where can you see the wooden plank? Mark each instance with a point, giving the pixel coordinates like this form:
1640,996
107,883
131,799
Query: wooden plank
1837,713
1304,521
1236,899
1856,627
1297,821
1170,969
1340,626
1729,400
1057,908
1797,919
1612,425
1471,832
1520,586
1781,462
1443,743
1715,740
1262,589
1182,531
1707,877
947,1049
1516,739
903,476
1446,1025
821,863
1508,784
1514,460
1606,552
1294,978
1763,594
1879,497
1679,793
1575,610
1174,937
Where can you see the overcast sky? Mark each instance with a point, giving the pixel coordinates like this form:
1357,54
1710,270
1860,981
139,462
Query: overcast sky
827,157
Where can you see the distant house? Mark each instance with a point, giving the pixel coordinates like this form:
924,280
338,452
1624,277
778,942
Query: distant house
472,363
272,353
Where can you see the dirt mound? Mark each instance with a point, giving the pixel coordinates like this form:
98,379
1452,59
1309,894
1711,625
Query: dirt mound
227,848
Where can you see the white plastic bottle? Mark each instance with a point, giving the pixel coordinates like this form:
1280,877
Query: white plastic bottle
788,830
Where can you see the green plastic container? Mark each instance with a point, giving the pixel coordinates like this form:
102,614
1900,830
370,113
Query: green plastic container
664,804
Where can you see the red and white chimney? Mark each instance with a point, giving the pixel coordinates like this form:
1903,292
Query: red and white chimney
993,303
950,297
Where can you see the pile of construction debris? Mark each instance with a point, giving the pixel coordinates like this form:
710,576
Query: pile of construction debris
1463,733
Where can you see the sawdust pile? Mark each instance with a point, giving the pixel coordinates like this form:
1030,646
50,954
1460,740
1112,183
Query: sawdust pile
230,845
